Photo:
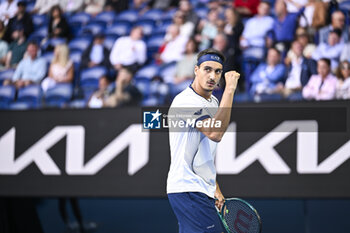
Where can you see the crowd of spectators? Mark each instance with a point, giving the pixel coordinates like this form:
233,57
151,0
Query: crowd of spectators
111,53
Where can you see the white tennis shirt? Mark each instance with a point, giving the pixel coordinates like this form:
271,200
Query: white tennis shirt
192,166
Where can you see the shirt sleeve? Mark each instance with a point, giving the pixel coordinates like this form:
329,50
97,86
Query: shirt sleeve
18,72
142,53
113,57
190,109
41,70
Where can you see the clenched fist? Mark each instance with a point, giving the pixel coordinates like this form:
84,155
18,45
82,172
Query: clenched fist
231,79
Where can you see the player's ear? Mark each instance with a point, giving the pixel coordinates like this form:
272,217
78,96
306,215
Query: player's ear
196,68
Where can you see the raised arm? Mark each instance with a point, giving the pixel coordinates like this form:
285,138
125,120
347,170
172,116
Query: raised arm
224,111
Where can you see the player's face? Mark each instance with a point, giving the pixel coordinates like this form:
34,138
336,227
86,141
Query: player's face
208,75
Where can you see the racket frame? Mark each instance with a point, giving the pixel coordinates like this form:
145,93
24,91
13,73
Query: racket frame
222,211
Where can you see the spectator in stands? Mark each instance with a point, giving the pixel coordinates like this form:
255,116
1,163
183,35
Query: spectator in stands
17,48
345,54
246,8
8,9
184,67
343,84
125,93
70,6
190,15
58,26
4,47
253,40
303,38
129,52
293,6
94,7
321,86
285,25
173,48
44,6
31,69
2,29
186,28
233,30
300,70
267,75
61,69
208,30
337,22
21,18
221,44
331,50
96,54
314,16
98,98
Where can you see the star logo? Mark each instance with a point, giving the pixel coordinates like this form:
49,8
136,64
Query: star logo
151,120
155,115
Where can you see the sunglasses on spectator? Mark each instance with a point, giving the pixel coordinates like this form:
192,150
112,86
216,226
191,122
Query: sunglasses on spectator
345,67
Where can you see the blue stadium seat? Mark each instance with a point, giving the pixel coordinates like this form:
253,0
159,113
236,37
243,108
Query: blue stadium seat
79,18
59,95
75,56
148,71
89,79
109,41
107,17
40,32
6,74
143,85
48,56
78,103
118,29
93,28
30,6
30,95
19,106
7,95
344,6
153,14
53,42
202,12
170,13
163,26
39,20
128,15
167,72
80,43
147,26
155,41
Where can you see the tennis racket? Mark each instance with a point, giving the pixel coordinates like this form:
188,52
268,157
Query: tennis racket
238,216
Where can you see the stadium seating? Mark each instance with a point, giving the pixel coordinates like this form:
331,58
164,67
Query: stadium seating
121,28
80,43
89,79
128,15
59,96
30,96
6,74
7,95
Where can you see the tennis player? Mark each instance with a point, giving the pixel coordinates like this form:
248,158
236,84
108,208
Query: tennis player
191,185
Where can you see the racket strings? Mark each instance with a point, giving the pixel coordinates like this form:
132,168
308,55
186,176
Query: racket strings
240,217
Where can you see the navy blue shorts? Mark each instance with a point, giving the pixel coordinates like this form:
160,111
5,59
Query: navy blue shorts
195,213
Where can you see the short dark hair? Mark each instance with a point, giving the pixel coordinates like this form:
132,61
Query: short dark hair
337,31
211,51
33,42
326,60
266,2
